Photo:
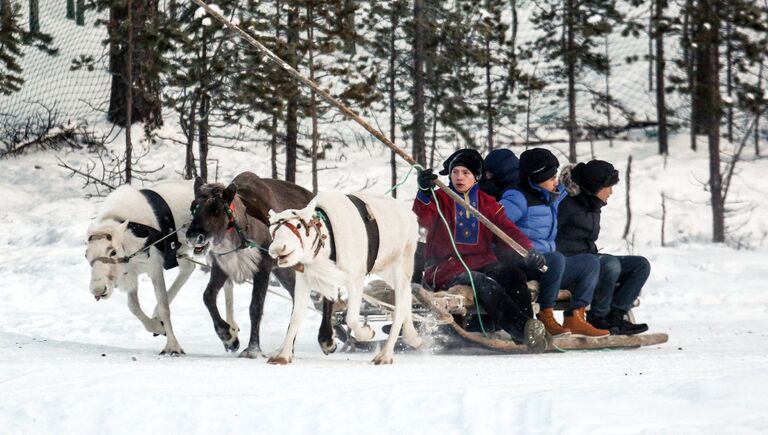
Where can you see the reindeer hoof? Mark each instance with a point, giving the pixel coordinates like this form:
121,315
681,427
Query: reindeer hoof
382,359
328,347
231,345
173,352
251,353
278,360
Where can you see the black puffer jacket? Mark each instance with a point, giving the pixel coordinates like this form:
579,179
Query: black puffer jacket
578,218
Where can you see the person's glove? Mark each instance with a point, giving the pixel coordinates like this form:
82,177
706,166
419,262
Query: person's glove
426,179
535,260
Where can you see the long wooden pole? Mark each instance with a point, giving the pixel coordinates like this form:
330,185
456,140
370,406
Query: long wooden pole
352,115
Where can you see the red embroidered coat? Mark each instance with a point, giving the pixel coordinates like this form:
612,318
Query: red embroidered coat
473,240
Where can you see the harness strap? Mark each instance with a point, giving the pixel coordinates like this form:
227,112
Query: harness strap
371,228
167,228
327,222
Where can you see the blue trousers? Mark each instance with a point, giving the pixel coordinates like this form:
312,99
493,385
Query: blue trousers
621,279
577,272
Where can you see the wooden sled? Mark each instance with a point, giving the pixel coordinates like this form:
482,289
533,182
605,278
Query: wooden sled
445,315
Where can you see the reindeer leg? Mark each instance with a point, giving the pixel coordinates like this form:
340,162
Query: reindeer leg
152,325
185,270
300,301
325,335
229,303
215,282
355,288
172,346
256,309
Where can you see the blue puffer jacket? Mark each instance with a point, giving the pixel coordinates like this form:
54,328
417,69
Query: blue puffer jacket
534,211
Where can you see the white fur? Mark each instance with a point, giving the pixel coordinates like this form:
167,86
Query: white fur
399,235
127,204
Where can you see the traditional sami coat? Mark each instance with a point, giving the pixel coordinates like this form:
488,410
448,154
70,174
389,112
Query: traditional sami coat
473,240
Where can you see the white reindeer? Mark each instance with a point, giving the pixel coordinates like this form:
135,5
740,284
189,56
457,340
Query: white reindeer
112,245
302,240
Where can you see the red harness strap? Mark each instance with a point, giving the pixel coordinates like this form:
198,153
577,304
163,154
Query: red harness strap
290,227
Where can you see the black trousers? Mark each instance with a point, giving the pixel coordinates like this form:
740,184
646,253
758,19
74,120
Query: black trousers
503,293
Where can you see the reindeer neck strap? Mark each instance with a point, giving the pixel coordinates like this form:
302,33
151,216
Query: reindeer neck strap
320,215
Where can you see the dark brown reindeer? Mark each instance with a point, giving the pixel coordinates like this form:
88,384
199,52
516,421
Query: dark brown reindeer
230,226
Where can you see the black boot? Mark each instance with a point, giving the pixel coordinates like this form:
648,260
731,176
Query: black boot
624,327
601,323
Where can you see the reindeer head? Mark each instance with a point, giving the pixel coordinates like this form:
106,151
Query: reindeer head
109,244
296,236
212,215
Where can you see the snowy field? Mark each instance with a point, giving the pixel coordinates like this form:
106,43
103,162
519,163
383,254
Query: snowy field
69,364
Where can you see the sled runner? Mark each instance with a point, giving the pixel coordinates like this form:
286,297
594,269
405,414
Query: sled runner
449,319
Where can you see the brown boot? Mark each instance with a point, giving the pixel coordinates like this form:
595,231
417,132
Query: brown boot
547,317
578,325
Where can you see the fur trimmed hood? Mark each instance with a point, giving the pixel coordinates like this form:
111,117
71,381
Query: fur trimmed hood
566,179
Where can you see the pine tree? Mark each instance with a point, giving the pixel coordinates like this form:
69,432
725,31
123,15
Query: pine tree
149,49
12,40
10,48
385,24
573,33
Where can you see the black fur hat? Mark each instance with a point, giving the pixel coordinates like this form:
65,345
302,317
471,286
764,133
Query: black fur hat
594,175
467,157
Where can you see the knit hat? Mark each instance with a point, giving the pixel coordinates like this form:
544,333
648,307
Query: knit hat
467,157
594,175
538,165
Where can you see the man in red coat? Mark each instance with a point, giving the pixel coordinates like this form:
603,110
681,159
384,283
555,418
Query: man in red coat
501,288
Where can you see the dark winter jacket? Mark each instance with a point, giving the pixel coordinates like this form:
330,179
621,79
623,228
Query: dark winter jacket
504,167
473,240
578,218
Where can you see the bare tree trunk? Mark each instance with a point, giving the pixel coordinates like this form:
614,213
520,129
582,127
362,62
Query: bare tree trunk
273,147
570,63
273,141
608,95
651,16
129,96
661,108
202,143
34,16
312,101
419,144
393,96
709,83
758,109
291,119
689,62
728,70
629,209
488,93
203,110
189,166
80,13
434,135
663,218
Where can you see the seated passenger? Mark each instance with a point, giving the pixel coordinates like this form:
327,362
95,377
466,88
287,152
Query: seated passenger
589,186
532,206
501,289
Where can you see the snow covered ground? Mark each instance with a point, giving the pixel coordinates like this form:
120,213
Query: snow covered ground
69,364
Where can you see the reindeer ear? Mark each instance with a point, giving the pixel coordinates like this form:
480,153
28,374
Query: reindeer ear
198,184
309,210
229,193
